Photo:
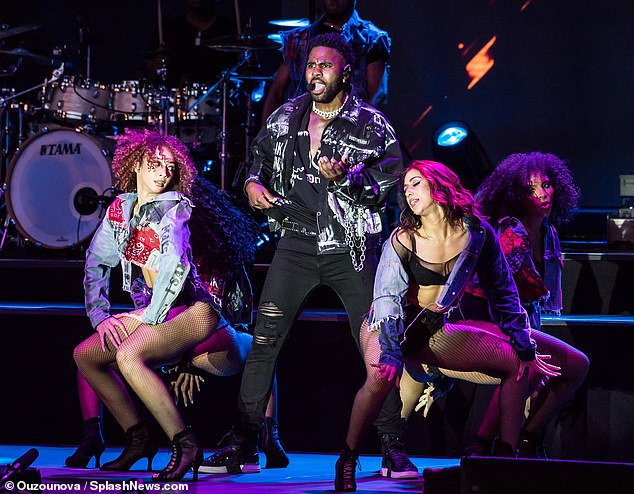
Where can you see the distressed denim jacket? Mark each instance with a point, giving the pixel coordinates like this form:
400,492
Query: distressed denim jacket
164,222
374,154
481,256
362,35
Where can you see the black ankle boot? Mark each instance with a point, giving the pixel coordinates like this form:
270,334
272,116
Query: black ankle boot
270,445
345,470
479,446
531,446
91,445
138,444
503,449
185,453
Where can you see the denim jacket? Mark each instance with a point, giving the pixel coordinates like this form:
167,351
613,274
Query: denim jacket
553,268
374,154
481,256
362,35
163,221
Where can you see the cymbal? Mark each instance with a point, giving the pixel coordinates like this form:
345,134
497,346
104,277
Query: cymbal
250,74
240,43
34,57
290,22
14,31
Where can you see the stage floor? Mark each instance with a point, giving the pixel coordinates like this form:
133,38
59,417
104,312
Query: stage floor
308,473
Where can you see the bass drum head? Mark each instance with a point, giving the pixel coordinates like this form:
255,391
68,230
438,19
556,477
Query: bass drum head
50,177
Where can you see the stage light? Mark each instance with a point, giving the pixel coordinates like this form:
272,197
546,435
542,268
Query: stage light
454,144
451,134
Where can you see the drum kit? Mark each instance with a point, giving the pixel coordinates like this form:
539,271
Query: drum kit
58,136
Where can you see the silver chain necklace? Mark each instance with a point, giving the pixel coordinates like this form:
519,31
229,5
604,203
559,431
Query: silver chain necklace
327,115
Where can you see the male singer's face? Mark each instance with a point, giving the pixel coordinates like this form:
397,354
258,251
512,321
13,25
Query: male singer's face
324,69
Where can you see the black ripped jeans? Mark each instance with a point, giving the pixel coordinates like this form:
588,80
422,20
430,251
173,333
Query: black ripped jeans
289,281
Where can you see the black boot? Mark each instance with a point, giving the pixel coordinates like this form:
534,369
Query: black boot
270,445
345,470
503,449
91,445
479,446
395,462
185,453
238,455
138,444
531,446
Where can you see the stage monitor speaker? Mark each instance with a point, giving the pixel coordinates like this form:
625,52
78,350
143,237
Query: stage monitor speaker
527,476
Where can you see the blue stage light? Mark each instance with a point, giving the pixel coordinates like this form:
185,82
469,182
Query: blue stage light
451,135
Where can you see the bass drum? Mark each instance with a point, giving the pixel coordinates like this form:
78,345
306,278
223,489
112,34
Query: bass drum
53,187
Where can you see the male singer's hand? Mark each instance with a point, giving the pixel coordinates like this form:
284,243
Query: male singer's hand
259,196
332,169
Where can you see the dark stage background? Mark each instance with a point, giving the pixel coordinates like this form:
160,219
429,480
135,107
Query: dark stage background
560,81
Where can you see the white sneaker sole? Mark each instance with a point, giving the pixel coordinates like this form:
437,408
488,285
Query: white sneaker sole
386,472
246,468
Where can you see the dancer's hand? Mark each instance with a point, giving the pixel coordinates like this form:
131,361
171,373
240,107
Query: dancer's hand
331,169
184,387
259,196
539,365
110,328
389,372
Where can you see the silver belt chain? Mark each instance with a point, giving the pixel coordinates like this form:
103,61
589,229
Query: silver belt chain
355,236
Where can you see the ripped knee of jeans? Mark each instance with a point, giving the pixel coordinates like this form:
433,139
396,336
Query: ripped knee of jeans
266,333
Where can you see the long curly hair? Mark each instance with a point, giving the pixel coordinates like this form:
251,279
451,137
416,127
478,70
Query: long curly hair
506,191
456,201
134,145
223,237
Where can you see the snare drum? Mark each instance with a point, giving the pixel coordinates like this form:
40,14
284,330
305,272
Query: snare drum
53,184
133,101
76,100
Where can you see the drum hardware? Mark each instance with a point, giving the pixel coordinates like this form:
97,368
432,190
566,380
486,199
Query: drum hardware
36,58
14,31
55,185
240,43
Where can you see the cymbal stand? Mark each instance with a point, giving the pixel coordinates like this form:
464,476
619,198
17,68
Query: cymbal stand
4,137
224,134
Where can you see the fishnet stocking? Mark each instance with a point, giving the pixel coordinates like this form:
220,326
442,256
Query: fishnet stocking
145,348
467,347
223,353
369,399
553,396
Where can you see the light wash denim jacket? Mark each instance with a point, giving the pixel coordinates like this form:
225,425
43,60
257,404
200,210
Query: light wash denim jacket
167,215
481,256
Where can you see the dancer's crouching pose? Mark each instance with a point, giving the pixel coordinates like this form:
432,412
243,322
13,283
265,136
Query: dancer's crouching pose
146,230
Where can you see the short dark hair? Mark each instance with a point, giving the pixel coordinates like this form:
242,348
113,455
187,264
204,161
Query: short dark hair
336,42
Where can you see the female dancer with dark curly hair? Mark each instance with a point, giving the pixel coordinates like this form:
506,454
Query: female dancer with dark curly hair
441,244
146,231
525,197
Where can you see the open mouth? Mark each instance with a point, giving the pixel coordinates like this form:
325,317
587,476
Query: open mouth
319,88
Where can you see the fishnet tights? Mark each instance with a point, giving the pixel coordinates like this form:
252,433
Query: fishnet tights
477,346
223,353
553,396
145,348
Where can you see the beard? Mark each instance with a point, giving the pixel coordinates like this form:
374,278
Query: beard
331,90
